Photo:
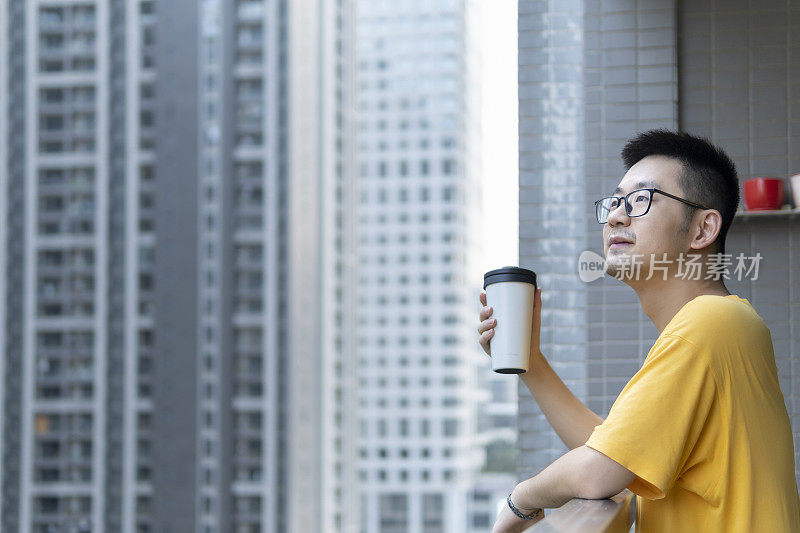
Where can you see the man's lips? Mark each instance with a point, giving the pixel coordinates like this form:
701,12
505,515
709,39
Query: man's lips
618,241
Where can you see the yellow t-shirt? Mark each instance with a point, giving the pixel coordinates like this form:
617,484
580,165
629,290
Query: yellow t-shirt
704,427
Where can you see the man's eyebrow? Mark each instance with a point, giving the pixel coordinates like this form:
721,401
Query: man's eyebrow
640,185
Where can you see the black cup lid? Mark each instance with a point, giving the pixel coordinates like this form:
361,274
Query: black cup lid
509,273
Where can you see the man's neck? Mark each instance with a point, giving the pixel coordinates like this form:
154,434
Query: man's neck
663,299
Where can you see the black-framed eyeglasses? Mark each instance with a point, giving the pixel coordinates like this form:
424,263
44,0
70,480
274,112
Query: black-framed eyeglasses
637,203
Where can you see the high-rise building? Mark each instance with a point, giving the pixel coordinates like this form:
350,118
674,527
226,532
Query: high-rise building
419,211
263,236
496,437
76,84
177,260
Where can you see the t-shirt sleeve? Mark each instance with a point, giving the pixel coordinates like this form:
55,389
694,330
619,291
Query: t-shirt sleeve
659,415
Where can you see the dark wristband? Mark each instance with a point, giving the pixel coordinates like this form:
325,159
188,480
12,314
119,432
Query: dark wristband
519,514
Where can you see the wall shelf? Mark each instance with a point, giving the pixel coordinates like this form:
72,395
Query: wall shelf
745,216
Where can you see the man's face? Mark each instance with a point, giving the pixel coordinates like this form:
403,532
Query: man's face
659,231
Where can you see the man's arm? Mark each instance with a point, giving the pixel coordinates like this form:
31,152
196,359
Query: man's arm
573,421
579,473
570,418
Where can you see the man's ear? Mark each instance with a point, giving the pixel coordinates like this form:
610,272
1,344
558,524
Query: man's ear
705,228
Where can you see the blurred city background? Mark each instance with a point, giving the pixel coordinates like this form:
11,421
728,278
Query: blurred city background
242,244
242,249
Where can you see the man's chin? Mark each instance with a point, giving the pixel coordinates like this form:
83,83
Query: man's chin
612,270
620,263
617,259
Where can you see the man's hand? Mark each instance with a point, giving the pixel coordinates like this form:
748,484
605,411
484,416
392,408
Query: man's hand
486,326
508,522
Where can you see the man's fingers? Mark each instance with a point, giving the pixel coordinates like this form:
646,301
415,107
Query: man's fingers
485,337
486,324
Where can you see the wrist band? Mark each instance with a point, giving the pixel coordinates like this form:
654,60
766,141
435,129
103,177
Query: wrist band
519,514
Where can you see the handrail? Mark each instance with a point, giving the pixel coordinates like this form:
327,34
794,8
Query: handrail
612,515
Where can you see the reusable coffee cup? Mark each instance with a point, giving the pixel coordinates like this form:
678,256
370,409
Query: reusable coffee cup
795,181
510,291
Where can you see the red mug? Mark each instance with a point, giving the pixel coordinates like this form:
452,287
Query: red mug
763,194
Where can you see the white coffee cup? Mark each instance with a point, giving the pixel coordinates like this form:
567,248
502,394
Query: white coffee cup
510,292
795,181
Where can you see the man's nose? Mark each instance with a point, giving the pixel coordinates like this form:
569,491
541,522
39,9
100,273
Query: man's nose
618,215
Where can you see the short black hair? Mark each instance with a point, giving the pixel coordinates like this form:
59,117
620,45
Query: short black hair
709,176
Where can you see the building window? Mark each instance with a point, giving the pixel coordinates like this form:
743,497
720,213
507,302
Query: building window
480,520
448,167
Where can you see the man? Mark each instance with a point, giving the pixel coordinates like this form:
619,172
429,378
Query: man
700,434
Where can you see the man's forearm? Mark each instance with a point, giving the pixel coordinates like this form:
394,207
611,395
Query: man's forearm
552,487
579,473
570,418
